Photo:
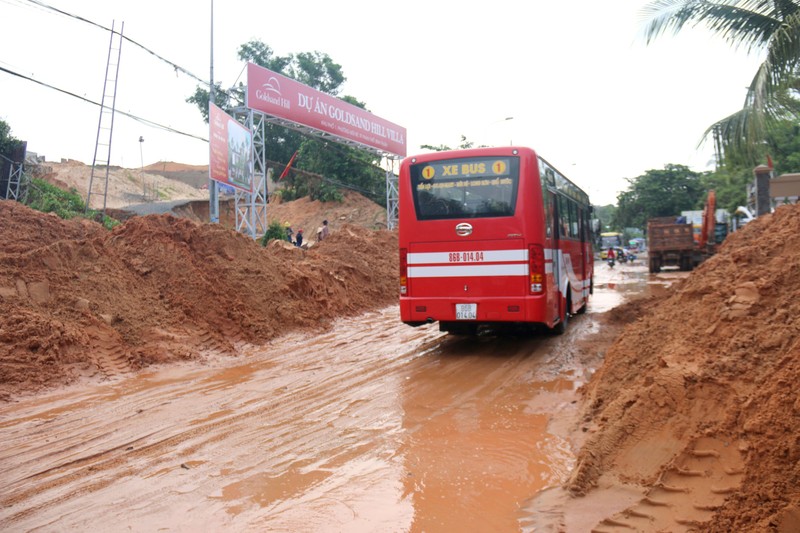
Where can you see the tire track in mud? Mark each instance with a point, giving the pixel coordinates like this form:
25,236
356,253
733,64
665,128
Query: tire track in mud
315,433
690,490
108,353
54,472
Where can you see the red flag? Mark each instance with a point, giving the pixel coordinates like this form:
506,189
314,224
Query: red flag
288,165
769,162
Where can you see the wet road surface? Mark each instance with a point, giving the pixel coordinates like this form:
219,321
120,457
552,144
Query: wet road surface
373,426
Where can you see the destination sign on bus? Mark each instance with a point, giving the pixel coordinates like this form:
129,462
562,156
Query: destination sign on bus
464,183
465,173
466,169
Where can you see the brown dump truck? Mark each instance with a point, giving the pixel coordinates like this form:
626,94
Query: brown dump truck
670,243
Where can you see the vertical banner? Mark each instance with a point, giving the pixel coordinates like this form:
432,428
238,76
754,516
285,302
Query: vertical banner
230,159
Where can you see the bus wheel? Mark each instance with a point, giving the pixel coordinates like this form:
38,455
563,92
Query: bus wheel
561,327
582,310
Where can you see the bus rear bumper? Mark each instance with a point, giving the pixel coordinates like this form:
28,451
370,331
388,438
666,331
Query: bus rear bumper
416,312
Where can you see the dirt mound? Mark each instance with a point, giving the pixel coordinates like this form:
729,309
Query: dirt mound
125,186
307,214
696,401
171,166
77,300
303,213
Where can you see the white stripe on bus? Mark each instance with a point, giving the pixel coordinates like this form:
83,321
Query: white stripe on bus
468,271
489,256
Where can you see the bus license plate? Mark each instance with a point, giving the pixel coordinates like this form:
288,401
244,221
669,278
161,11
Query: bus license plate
466,311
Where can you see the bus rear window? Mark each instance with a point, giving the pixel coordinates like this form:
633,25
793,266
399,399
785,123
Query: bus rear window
465,188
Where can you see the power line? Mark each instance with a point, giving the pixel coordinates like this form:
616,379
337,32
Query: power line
82,19
174,65
177,67
129,115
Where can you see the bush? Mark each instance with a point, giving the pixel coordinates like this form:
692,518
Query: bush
109,222
274,232
48,198
286,195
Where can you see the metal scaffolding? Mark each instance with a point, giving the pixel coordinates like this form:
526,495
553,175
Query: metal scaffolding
14,187
392,194
390,159
251,208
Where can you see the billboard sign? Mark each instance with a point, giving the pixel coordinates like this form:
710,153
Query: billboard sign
276,95
231,149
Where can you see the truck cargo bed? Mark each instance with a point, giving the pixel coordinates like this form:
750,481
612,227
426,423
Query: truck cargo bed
669,237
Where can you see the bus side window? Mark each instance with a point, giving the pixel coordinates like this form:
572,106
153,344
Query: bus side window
582,219
547,200
587,227
573,219
563,217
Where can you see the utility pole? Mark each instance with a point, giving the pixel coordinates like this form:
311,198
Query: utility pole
141,167
213,192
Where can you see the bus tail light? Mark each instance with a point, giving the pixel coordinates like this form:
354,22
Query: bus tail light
403,271
536,268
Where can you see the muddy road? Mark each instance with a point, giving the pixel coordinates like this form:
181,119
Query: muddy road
372,426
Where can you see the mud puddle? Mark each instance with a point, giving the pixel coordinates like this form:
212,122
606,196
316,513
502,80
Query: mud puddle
373,426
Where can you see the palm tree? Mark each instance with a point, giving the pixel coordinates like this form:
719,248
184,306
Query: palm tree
755,25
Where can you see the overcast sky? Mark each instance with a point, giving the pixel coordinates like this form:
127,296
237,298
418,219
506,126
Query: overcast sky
582,86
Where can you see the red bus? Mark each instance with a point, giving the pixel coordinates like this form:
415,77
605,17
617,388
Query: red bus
491,236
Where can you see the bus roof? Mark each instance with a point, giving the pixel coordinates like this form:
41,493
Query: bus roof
555,179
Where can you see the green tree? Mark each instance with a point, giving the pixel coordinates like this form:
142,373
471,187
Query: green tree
658,193
783,144
729,185
8,143
605,214
317,70
755,25
731,180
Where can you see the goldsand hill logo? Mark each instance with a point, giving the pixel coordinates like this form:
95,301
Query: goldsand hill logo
270,92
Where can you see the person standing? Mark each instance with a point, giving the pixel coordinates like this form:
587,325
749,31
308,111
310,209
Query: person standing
323,231
299,241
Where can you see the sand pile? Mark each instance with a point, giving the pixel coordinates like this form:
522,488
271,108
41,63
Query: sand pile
125,186
76,300
697,400
303,213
